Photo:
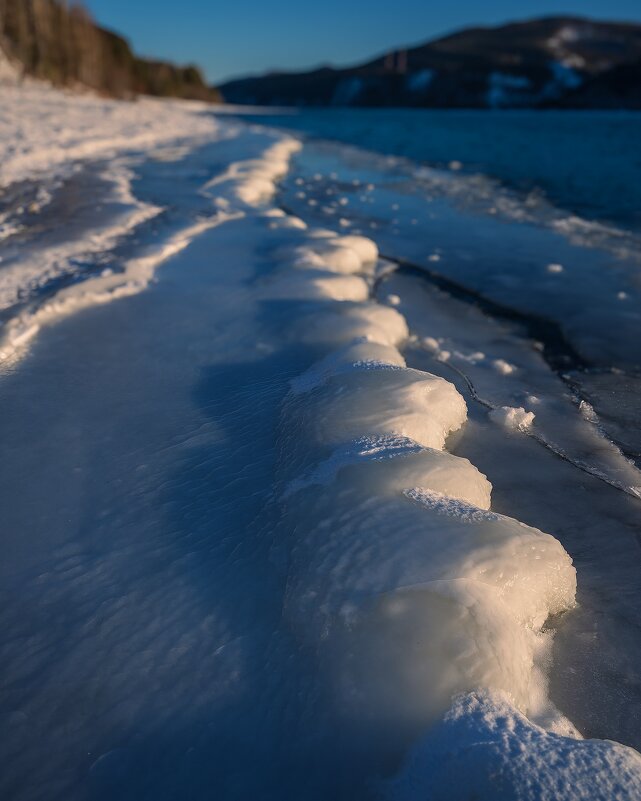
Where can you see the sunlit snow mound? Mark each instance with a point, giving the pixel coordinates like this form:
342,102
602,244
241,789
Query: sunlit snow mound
402,585
407,590
485,750
411,587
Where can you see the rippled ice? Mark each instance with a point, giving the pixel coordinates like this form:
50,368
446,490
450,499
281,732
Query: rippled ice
144,584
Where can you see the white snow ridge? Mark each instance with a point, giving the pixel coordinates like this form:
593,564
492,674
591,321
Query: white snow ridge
425,609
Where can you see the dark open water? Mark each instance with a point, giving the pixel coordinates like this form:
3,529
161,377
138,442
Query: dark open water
588,163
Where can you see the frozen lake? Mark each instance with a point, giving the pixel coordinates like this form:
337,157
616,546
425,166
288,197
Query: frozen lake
248,543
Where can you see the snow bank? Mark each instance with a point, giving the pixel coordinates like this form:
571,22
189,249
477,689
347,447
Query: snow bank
361,352
406,587
374,400
253,182
367,321
410,593
486,750
414,591
344,254
318,284
45,131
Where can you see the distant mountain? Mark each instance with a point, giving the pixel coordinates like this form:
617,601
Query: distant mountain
554,61
616,88
50,40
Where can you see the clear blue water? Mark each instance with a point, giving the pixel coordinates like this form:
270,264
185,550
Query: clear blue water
588,163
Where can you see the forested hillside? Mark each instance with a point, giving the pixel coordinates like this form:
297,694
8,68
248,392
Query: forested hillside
57,42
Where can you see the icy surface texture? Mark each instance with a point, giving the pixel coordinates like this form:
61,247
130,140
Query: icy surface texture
486,750
408,589
421,609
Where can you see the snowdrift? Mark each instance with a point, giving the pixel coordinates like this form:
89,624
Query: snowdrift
425,609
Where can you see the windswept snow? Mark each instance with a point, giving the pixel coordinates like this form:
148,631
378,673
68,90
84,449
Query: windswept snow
484,749
410,590
48,140
24,271
134,277
422,609
43,131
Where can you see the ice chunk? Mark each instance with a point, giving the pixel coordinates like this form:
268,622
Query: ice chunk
503,367
328,255
345,550
284,221
513,417
366,248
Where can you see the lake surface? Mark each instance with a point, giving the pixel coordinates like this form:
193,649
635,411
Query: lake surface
588,163
152,637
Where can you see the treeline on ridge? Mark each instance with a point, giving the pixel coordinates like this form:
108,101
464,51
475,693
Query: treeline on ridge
61,43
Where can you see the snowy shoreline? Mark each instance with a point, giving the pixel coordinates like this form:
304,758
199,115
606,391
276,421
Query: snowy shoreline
425,610
376,581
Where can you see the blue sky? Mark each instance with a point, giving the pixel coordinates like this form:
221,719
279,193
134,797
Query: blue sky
237,37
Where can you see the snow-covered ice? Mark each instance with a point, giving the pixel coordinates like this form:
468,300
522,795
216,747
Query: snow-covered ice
483,749
240,531
45,132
